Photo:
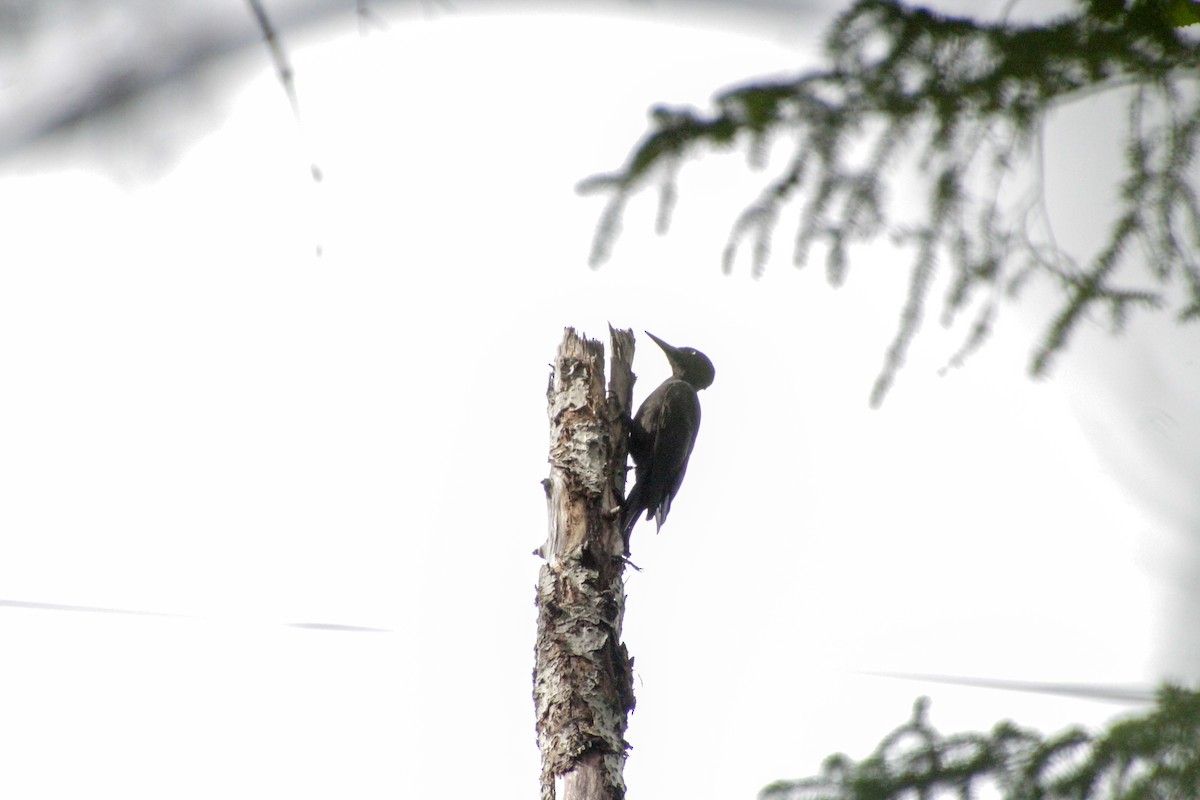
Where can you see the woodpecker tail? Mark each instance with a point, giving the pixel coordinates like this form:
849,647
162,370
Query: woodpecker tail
631,509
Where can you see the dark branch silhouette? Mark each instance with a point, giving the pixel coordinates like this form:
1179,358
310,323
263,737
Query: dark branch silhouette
951,106
1156,754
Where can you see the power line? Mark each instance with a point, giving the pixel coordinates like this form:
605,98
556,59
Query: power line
312,626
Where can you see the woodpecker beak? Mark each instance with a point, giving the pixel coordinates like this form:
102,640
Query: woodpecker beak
666,348
674,357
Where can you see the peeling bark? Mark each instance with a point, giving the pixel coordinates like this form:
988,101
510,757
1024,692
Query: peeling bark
583,677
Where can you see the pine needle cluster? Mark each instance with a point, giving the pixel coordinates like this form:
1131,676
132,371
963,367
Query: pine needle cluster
958,103
1156,755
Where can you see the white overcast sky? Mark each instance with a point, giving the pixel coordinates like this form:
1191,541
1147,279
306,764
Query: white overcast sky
201,418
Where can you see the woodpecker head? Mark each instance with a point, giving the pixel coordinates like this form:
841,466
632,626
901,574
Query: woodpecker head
688,364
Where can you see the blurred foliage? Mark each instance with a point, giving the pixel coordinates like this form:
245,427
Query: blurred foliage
950,107
1184,12
1154,756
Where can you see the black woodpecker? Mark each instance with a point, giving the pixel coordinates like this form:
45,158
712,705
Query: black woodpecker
661,436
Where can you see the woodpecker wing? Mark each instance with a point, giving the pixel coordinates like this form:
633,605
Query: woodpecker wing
664,432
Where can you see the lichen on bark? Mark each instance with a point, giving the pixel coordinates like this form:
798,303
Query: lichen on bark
583,676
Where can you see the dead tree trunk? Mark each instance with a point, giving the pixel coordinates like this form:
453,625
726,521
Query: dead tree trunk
583,677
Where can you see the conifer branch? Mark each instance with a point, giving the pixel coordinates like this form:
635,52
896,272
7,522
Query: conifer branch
1156,754
965,102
